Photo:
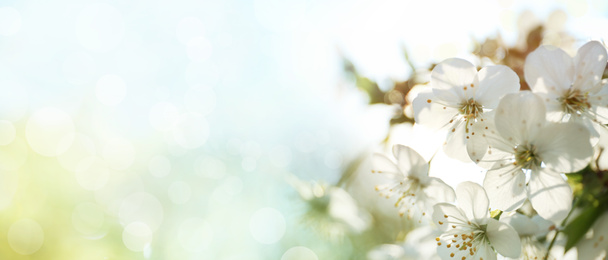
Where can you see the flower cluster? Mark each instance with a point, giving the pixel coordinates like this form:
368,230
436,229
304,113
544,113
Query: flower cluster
526,140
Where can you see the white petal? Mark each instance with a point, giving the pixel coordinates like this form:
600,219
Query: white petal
410,162
455,143
454,74
544,226
496,147
555,111
472,199
429,112
593,128
495,82
521,223
439,190
589,64
550,195
549,70
343,207
444,214
506,187
503,238
600,98
564,147
478,143
484,251
519,116
383,164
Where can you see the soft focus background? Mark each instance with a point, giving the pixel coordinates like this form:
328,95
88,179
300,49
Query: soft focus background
185,129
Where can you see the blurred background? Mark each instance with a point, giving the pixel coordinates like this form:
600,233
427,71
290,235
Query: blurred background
232,129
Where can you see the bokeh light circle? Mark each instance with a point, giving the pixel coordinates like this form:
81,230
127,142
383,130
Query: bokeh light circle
13,155
25,236
88,218
9,181
92,173
191,131
14,100
141,207
159,166
50,131
179,192
211,167
162,116
267,225
299,253
119,153
137,236
195,234
7,132
200,99
81,147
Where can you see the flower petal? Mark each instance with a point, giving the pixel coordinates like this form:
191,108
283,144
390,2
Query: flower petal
506,187
429,111
410,162
549,69
519,116
589,64
444,214
564,147
472,199
454,74
495,82
483,251
521,223
550,195
455,144
382,164
439,190
503,238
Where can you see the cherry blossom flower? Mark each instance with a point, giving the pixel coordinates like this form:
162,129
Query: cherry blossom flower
572,88
419,244
523,142
409,181
468,230
461,97
529,230
330,209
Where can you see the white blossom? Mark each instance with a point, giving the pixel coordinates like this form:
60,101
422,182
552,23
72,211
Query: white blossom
408,178
523,142
461,97
529,230
468,230
572,88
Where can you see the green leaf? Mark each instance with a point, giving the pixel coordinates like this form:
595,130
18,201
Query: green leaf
495,214
576,229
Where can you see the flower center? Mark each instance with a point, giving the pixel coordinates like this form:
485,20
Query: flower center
526,157
470,109
464,242
407,189
574,102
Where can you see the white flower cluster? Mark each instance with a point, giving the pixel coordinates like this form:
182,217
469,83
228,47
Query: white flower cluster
525,140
